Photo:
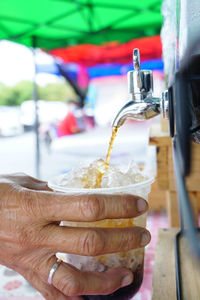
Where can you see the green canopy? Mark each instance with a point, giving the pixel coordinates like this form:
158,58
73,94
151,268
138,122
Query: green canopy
58,23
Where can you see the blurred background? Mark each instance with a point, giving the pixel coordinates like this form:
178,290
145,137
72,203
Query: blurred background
63,67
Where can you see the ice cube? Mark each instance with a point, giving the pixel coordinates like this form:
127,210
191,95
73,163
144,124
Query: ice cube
96,174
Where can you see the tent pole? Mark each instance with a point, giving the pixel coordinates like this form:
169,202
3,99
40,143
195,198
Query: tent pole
36,125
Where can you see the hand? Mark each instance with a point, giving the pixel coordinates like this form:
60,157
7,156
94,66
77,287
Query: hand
30,236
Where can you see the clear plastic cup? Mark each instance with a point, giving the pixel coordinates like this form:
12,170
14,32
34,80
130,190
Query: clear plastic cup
133,259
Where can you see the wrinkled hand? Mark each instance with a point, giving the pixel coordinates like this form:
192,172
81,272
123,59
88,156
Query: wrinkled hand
30,236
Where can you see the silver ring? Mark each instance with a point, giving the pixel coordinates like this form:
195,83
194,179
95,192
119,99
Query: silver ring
53,270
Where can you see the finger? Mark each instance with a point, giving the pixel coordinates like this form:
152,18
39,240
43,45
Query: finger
73,282
93,241
38,186
58,206
23,180
49,292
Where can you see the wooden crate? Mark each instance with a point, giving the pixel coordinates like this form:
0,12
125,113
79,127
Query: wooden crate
164,280
157,197
164,190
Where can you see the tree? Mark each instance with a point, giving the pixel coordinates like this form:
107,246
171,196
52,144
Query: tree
22,91
56,91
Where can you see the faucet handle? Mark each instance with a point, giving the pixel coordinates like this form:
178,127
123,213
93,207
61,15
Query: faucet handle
140,82
136,59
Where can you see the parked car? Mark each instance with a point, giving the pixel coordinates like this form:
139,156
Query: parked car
10,122
49,112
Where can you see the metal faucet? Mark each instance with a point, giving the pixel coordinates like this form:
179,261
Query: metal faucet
142,105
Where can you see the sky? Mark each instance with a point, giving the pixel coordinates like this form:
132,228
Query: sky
16,64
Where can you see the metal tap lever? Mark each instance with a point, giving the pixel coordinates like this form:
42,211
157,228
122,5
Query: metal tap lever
140,82
136,59
140,88
136,64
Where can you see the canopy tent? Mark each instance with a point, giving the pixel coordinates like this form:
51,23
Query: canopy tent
119,69
58,23
50,24
113,58
113,52
99,70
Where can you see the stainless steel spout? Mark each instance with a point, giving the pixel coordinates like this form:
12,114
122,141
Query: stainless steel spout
143,105
137,111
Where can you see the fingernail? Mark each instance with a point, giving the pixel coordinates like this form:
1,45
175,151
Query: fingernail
141,205
127,280
145,239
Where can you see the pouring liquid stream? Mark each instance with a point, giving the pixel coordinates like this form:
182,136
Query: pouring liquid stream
112,139
100,173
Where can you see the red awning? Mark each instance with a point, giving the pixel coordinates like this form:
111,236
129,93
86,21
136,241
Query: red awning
113,52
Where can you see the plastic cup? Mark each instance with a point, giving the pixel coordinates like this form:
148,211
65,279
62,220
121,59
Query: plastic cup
133,259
